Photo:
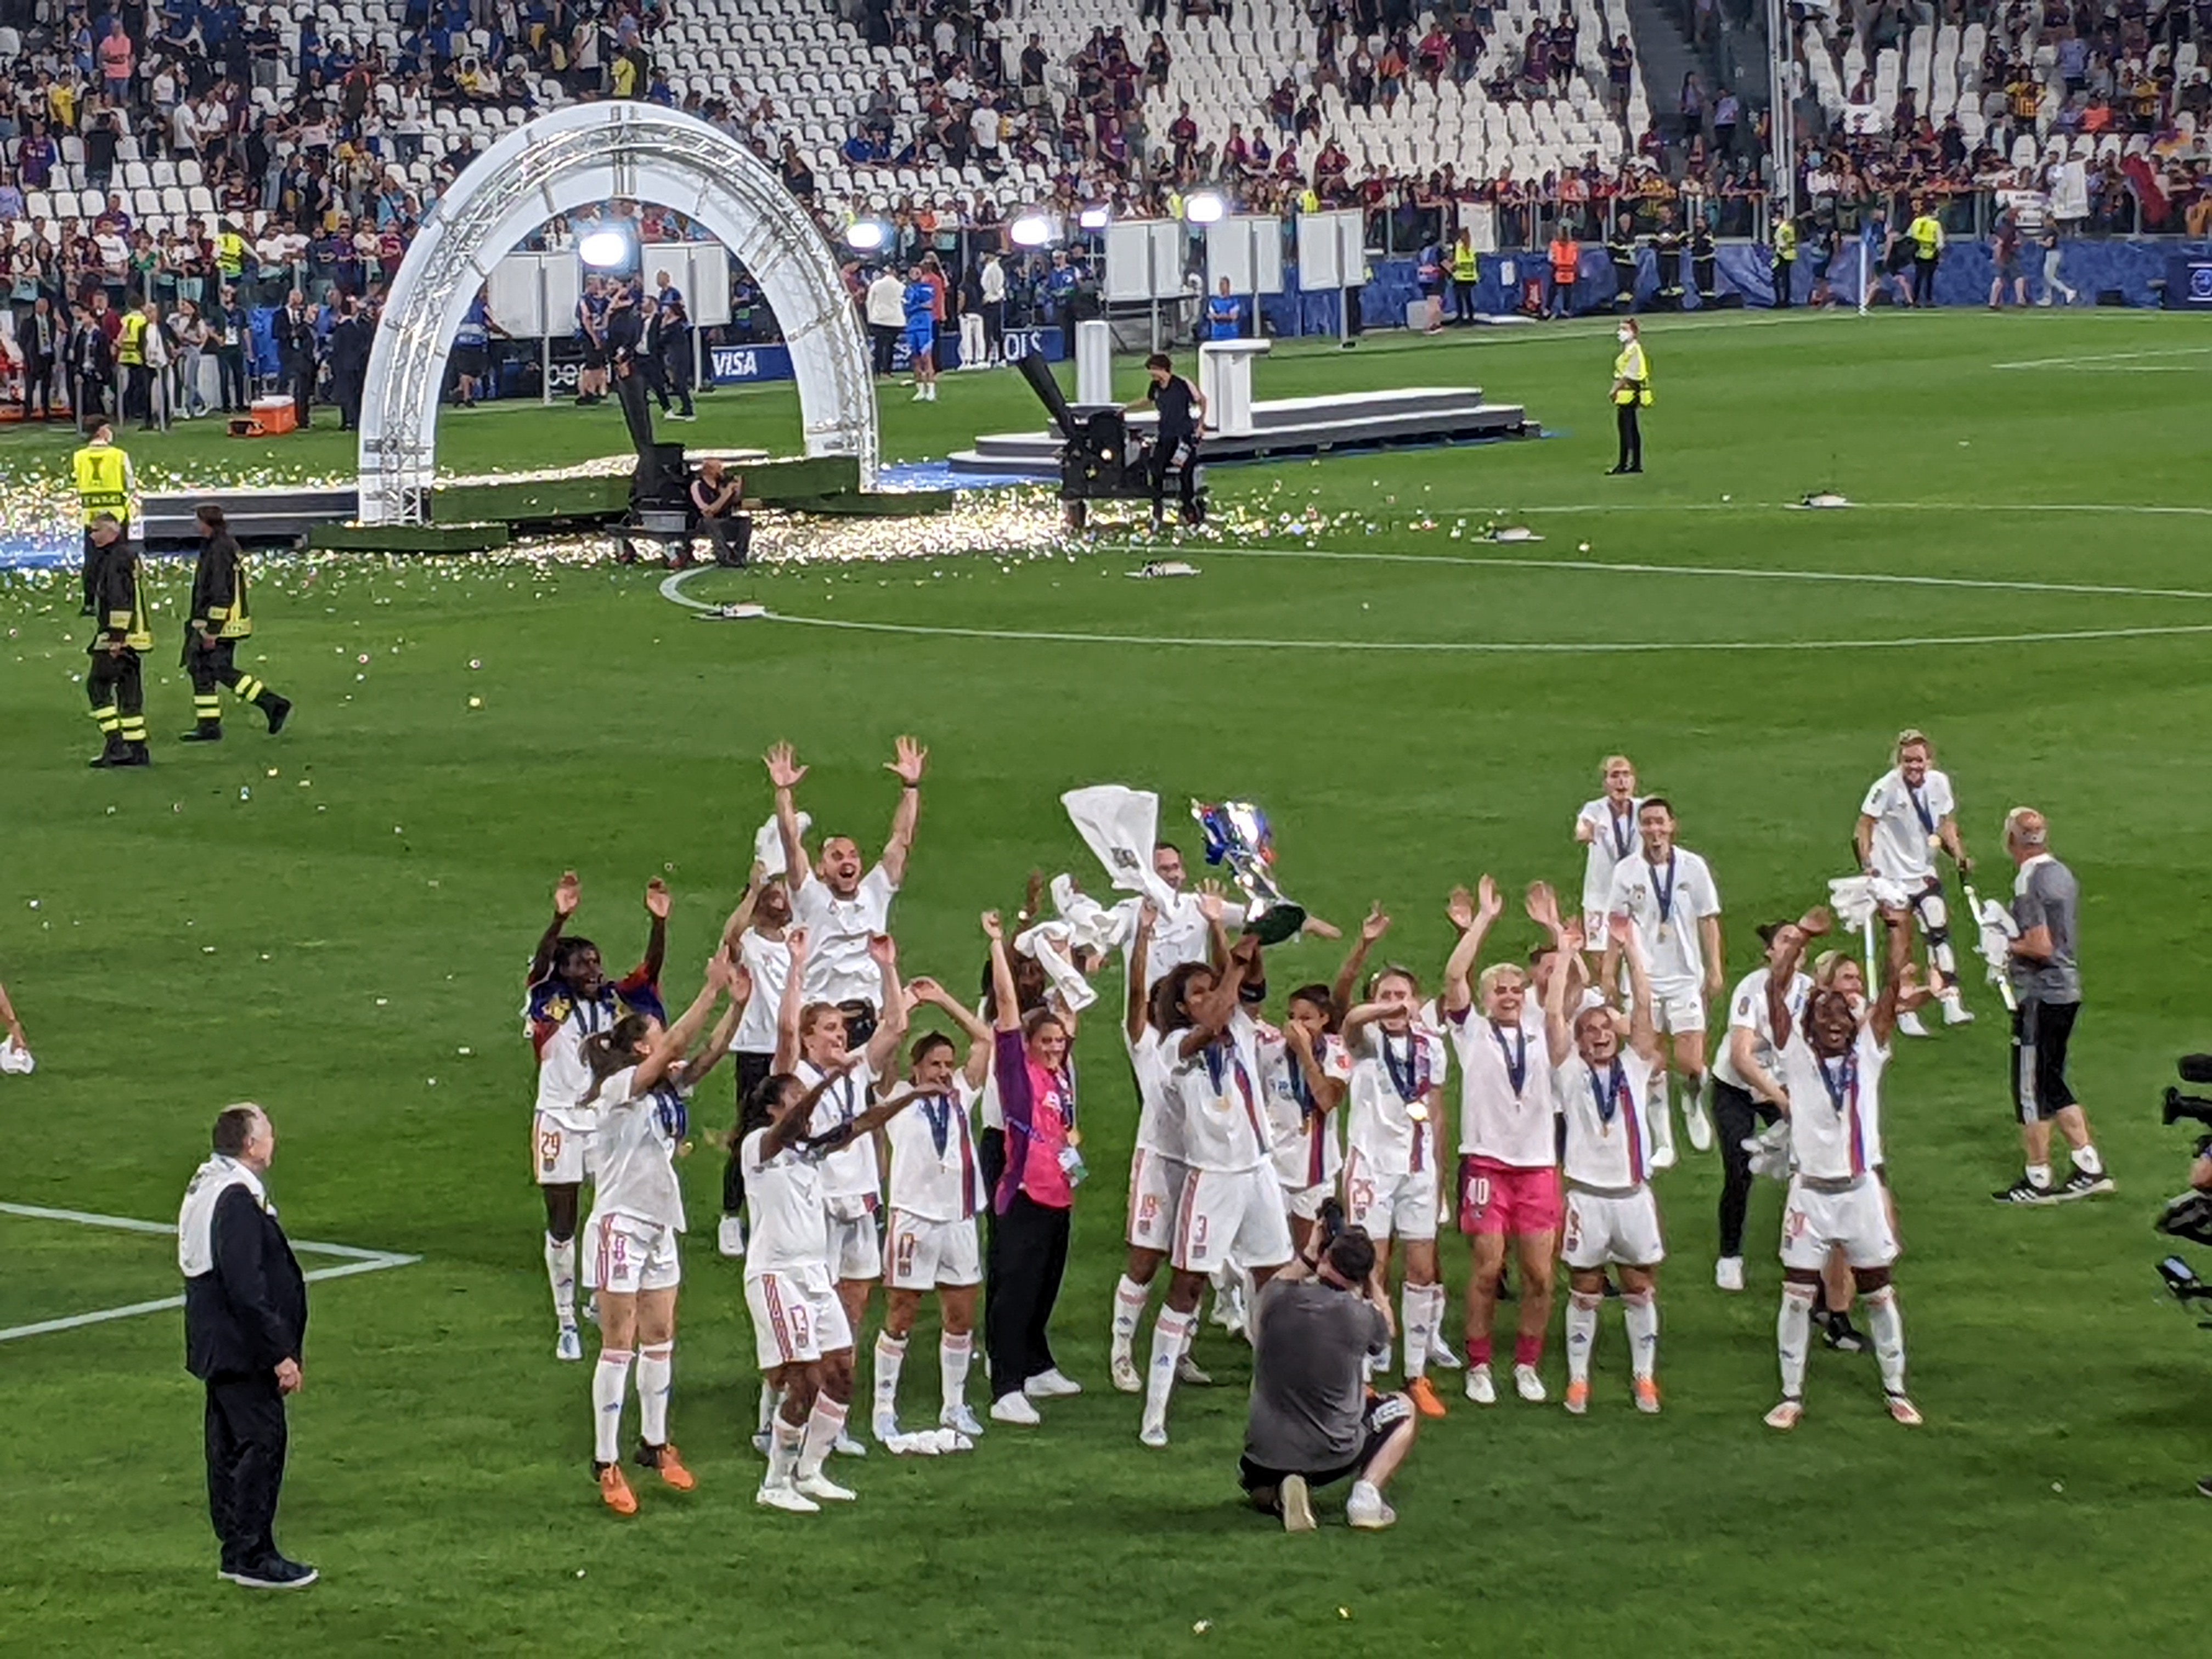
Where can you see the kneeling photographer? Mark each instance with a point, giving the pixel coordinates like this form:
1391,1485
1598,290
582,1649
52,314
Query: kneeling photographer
2189,1214
1312,1423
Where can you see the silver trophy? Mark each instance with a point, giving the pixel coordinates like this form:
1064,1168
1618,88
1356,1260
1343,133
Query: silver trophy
1238,835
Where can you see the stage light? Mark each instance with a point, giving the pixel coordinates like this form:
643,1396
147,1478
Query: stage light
1204,208
603,247
1030,229
867,235
1097,217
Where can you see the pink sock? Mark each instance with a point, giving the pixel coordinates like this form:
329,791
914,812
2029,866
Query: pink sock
1478,1350
1528,1349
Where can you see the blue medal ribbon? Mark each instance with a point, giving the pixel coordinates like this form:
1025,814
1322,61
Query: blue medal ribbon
1515,1058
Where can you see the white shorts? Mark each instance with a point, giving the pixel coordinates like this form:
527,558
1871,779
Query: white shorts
559,1157
1155,1186
1812,1223
856,1250
797,1318
921,1255
624,1255
1601,1231
1235,1216
1390,1206
1678,1007
1305,1202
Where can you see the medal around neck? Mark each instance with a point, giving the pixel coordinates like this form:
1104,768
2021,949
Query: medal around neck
1238,836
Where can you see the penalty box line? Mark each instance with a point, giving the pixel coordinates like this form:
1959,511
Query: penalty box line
355,1260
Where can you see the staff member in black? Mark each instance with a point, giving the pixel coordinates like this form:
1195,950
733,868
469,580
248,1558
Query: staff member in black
112,681
246,1326
626,354
294,331
221,617
1182,408
1620,250
1702,261
351,338
42,337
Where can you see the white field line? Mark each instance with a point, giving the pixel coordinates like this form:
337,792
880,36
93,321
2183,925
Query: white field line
2106,357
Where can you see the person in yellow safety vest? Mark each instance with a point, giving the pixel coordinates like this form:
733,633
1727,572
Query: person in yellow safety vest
230,252
1632,392
130,358
113,680
1465,270
1785,258
1309,200
104,485
1925,233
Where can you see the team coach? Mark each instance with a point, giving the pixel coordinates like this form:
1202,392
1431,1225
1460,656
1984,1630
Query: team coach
246,1321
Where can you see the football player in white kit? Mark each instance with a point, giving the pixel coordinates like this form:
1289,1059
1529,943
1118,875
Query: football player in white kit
569,999
641,1082
800,1333
1606,827
1667,891
1392,1185
1232,1204
1908,817
1611,1217
1747,1096
1304,1072
931,1239
1508,1177
1832,1056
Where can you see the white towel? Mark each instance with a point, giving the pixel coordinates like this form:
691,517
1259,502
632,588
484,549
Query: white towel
15,1060
1121,826
768,843
1046,944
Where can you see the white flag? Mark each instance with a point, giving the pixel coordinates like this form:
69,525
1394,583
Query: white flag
1121,826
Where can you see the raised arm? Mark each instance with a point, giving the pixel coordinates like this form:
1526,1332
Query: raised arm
794,998
1643,1034
726,1028
1136,1015
881,1051
1473,917
568,892
1327,1091
673,1042
1006,1001
1559,1034
1210,1013
656,939
1213,906
978,1068
878,1115
791,1129
742,917
1791,944
1347,977
786,773
908,760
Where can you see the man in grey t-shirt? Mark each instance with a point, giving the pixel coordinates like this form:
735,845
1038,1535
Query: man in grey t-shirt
2046,982
1316,1322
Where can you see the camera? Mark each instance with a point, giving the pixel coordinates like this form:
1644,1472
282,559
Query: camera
2188,1214
1330,1221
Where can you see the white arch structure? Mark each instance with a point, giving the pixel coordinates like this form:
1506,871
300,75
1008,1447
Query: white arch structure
568,159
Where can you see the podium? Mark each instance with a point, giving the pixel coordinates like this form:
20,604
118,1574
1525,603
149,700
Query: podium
1225,375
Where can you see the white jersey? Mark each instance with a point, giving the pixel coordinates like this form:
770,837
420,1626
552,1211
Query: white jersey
791,1221
1905,820
1666,902
1391,1075
1613,839
1181,935
769,961
1159,1114
1607,1144
1306,1142
1505,1109
1747,1012
1224,1124
563,1078
935,1176
850,1172
1835,1106
838,966
634,1150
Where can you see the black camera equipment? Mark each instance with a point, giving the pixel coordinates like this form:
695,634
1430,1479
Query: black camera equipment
1099,460
1331,1221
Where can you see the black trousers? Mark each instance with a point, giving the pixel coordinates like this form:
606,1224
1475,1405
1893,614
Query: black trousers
1156,464
137,392
1463,301
1624,287
731,538
91,399
1028,1255
346,389
299,377
752,1070
38,387
230,376
656,380
885,340
1632,435
1738,1115
1924,281
210,665
994,328
1782,268
676,365
630,393
246,1441
118,690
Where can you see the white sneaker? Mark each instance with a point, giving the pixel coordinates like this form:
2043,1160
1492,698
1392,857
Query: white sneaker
591,1310
568,1345
786,1499
1956,1012
1051,1385
1298,1505
1015,1408
729,1236
1369,1513
1441,1356
1527,1384
1699,1126
885,1428
1908,1024
846,1446
1662,1158
1727,1273
1154,1434
961,1421
1188,1373
1124,1372
921,394
1482,1387
821,1488
1786,1415
760,1441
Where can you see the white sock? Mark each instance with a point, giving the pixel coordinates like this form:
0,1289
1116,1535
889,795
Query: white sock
786,1440
823,1424
2039,1177
1416,1320
891,1357
953,1355
656,1371
610,1379
1128,1310
1699,1086
1171,1334
1887,1325
2086,1161
770,1398
1582,1334
1659,1116
561,1269
1639,1311
1793,1331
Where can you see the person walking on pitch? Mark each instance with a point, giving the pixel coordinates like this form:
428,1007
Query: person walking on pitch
112,681
221,617
104,484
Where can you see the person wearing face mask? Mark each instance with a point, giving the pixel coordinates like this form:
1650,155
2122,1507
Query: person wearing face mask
1632,392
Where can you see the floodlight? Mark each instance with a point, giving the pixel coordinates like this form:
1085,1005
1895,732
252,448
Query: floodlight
1204,208
603,247
867,235
1030,229
1097,217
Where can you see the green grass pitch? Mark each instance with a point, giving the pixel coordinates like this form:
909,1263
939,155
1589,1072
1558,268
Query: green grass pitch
335,923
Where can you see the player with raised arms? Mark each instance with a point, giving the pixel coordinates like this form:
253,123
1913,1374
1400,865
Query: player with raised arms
1908,817
1304,1075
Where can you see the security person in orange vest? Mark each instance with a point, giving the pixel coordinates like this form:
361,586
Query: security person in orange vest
104,487
113,681
220,619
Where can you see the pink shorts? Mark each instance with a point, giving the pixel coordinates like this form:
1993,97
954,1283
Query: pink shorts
1499,1198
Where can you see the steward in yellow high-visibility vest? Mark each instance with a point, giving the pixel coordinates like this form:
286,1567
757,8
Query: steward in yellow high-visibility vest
1925,233
113,681
1632,392
1465,270
1785,258
104,485
221,617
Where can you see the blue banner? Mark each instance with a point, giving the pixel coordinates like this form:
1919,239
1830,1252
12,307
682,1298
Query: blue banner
2188,284
743,364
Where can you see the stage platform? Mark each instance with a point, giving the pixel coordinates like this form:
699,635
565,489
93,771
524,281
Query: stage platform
1292,426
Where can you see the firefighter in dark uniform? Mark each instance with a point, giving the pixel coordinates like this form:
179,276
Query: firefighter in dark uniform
113,681
221,617
1702,260
1621,248
1666,261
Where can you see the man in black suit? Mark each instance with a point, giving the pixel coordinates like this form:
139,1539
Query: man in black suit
295,351
351,337
42,337
245,1321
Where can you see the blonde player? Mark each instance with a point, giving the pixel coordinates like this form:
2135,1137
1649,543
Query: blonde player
1668,892
1391,1184
1303,1071
1611,1217
1833,1057
936,1194
641,1082
1606,827
1908,817
1508,1177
